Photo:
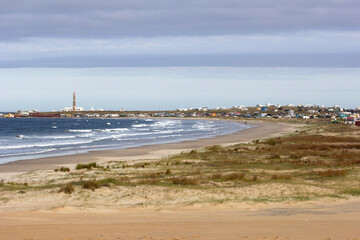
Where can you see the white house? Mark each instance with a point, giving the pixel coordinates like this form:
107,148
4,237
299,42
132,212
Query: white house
70,109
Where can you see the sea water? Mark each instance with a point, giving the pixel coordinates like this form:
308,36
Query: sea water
30,138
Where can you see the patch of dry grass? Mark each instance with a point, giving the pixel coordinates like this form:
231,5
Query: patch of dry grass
91,184
67,189
184,181
332,173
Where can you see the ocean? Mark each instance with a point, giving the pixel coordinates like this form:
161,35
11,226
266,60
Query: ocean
30,138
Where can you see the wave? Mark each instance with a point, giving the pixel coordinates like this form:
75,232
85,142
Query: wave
80,130
166,123
113,129
28,153
173,135
204,126
56,137
43,145
125,135
139,125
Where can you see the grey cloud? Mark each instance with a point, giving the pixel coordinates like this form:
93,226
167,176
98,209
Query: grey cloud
134,18
234,60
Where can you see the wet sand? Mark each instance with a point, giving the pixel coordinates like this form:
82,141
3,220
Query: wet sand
259,131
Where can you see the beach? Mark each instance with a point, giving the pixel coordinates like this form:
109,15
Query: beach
307,223
152,212
259,131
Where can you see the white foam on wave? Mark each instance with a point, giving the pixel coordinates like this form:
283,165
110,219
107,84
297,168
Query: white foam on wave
80,130
139,125
114,129
204,126
28,153
166,123
126,135
43,145
55,137
171,135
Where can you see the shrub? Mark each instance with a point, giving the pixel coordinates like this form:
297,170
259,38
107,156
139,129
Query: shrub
184,181
271,142
140,165
151,181
107,182
254,178
88,166
274,156
92,185
194,151
348,158
279,176
216,176
234,176
215,148
64,169
352,191
67,189
332,173
297,155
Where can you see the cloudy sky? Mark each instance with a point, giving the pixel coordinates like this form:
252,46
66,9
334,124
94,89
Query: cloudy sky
63,34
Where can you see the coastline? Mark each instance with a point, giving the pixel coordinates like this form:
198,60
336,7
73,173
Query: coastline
260,130
106,214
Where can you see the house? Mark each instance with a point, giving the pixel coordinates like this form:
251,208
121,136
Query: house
9,115
241,107
70,109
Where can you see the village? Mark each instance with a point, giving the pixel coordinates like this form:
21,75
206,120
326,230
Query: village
335,114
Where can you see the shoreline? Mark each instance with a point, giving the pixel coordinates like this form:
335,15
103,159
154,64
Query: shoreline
154,212
260,130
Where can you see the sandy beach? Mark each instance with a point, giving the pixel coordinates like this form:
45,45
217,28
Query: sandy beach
110,216
308,223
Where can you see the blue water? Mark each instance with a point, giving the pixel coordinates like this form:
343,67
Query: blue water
31,138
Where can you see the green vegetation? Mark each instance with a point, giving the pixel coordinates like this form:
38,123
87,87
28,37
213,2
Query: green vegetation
87,166
91,184
62,169
67,189
352,191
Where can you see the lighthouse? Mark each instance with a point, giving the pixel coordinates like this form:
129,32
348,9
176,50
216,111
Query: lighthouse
74,102
74,108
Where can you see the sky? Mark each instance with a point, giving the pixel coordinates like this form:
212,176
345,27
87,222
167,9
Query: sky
41,40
